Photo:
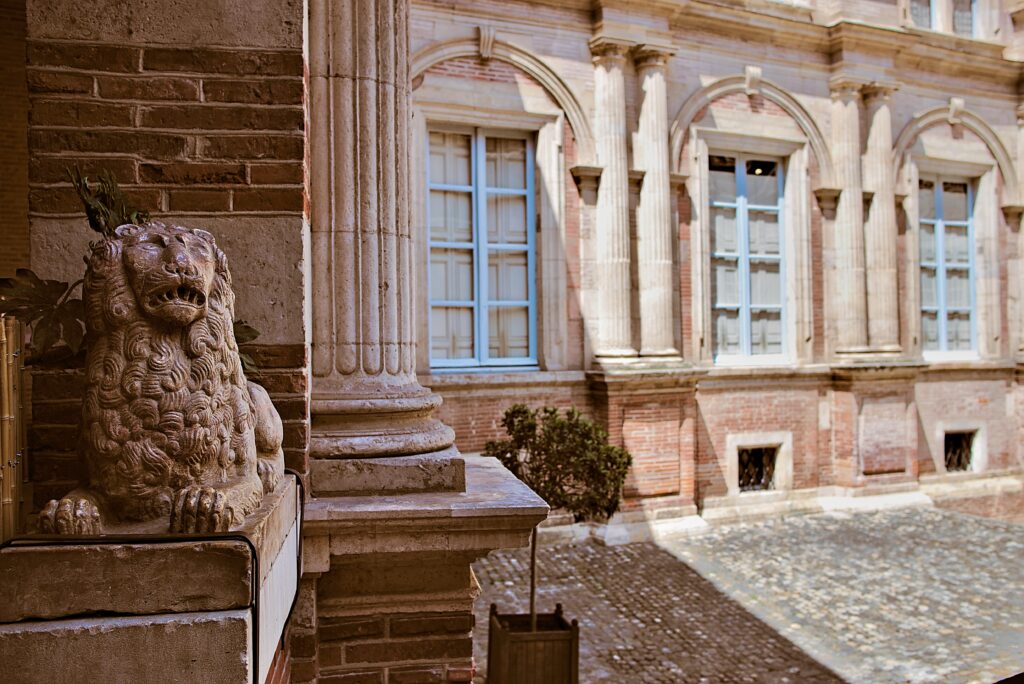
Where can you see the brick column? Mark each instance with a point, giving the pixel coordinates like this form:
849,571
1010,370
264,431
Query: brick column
654,214
880,224
366,400
612,258
848,296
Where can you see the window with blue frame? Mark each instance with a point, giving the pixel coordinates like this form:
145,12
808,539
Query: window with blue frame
947,264
963,18
921,13
482,257
747,258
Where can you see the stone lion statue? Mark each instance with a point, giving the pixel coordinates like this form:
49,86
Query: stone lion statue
171,430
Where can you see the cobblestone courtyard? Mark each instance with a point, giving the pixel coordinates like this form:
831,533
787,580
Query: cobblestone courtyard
915,595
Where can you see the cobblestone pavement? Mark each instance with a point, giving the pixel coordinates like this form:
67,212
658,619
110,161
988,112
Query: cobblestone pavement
900,596
913,595
644,617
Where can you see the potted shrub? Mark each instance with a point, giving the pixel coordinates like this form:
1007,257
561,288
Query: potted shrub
567,461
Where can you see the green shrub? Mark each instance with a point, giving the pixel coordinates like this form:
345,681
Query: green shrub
566,459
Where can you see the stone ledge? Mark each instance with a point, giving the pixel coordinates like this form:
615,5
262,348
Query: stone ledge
443,471
495,511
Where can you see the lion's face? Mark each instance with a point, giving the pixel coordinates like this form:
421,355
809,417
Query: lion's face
170,271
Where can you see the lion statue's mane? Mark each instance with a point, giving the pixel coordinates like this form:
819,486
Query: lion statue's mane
167,407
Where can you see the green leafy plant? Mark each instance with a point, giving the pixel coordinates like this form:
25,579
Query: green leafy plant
55,318
106,207
566,459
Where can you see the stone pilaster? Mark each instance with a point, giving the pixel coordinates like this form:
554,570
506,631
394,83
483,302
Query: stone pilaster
654,214
880,223
366,400
612,234
848,297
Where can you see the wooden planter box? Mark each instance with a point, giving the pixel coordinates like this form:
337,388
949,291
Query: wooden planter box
516,655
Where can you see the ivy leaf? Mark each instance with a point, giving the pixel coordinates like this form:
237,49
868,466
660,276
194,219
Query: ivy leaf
71,326
45,333
244,332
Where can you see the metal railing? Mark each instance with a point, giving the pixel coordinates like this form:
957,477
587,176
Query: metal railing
12,427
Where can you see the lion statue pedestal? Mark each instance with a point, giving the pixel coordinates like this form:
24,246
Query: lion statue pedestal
176,443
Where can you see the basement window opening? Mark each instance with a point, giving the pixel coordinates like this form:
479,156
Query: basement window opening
958,451
757,468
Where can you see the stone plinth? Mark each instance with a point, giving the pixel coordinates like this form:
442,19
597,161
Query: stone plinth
388,587
80,610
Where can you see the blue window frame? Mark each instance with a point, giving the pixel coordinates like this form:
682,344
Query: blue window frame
947,264
921,13
747,258
482,253
963,18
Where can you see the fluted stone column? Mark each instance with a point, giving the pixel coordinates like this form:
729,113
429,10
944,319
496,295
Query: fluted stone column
654,213
612,252
880,223
849,301
366,400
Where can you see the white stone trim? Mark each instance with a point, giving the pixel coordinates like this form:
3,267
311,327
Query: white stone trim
987,222
796,228
782,479
979,445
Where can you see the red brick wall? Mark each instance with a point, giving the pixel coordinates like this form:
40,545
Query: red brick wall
14,250
766,408
183,129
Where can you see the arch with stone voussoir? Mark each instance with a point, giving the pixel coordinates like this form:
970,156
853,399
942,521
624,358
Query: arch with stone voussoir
530,65
770,91
950,114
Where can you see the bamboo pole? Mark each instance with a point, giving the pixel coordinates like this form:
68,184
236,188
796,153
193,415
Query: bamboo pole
14,350
6,443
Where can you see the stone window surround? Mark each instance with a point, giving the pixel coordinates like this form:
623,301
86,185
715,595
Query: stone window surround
782,480
549,183
986,222
796,230
942,18
979,445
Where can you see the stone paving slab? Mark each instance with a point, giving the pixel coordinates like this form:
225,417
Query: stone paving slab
912,595
917,595
644,617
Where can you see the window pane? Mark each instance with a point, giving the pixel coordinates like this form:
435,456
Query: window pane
451,216
764,232
963,18
955,245
450,158
727,332
929,296
762,182
722,176
958,288
508,332
958,332
506,276
766,332
724,239
451,275
954,201
929,332
765,285
506,219
927,240
451,332
926,199
726,283
921,13
506,163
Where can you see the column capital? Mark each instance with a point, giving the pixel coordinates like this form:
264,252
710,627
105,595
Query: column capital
879,92
606,48
845,87
650,56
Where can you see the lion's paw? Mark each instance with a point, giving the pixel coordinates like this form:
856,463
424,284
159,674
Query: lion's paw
199,509
73,514
269,472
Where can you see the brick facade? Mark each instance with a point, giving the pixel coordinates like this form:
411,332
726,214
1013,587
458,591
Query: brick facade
14,247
